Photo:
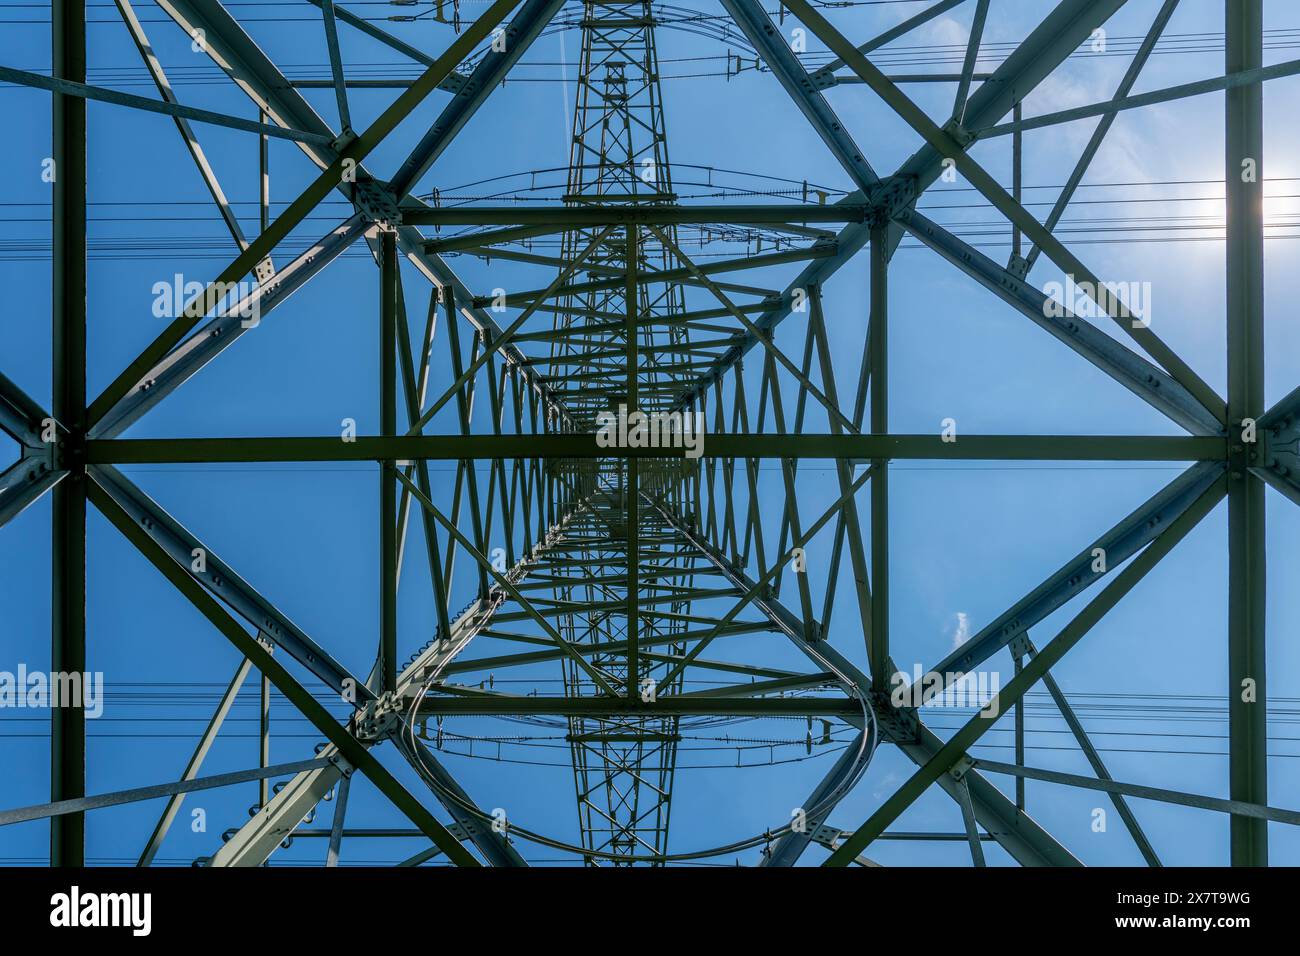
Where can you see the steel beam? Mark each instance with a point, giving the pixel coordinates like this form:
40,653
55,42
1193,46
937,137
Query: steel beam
1089,751
776,52
1247,644
340,814
490,73
20,415
1238,809
495,847
1144,379
336,67
145,49
329,179
195,763
1027,842
1054,39
222,331
225,41
352,751
1232,80
953,751
786,849
1099,133
673,705
951,146
68,550
24,483
389,277
1124,540
451,84
565,217
58,809
76,90
1014,830
254,843
825,74
221,580
878,638
858,448
968,62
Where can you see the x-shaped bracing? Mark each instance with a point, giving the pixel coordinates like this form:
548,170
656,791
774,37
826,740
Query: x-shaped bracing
1265,448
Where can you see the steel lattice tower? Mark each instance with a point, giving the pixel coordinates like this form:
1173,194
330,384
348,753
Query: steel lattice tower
618,572
623,768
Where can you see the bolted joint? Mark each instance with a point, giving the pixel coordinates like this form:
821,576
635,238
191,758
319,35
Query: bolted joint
1276,450
891,196
379,718
897,724
374,200
959,769
1242,455
69,452
958,133
344,139
1020,646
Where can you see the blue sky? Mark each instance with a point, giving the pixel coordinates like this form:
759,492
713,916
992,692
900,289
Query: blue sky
967,540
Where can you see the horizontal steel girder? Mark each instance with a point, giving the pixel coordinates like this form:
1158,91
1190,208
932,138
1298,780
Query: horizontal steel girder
675,706
123,451
584,216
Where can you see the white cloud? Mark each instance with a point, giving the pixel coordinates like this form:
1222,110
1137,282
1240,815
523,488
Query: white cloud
944,31
961,630
886,786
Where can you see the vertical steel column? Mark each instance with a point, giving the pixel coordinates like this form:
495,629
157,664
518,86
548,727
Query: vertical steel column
633,470
1018,664
1017,189
264,220
878,644
388,469
68,567
264,740
263,176
1020,266
1244,173
336,827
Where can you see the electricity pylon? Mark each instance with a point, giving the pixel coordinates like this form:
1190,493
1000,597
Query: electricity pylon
628,566
623,768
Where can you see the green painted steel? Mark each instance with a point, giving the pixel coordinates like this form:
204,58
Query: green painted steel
646,574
